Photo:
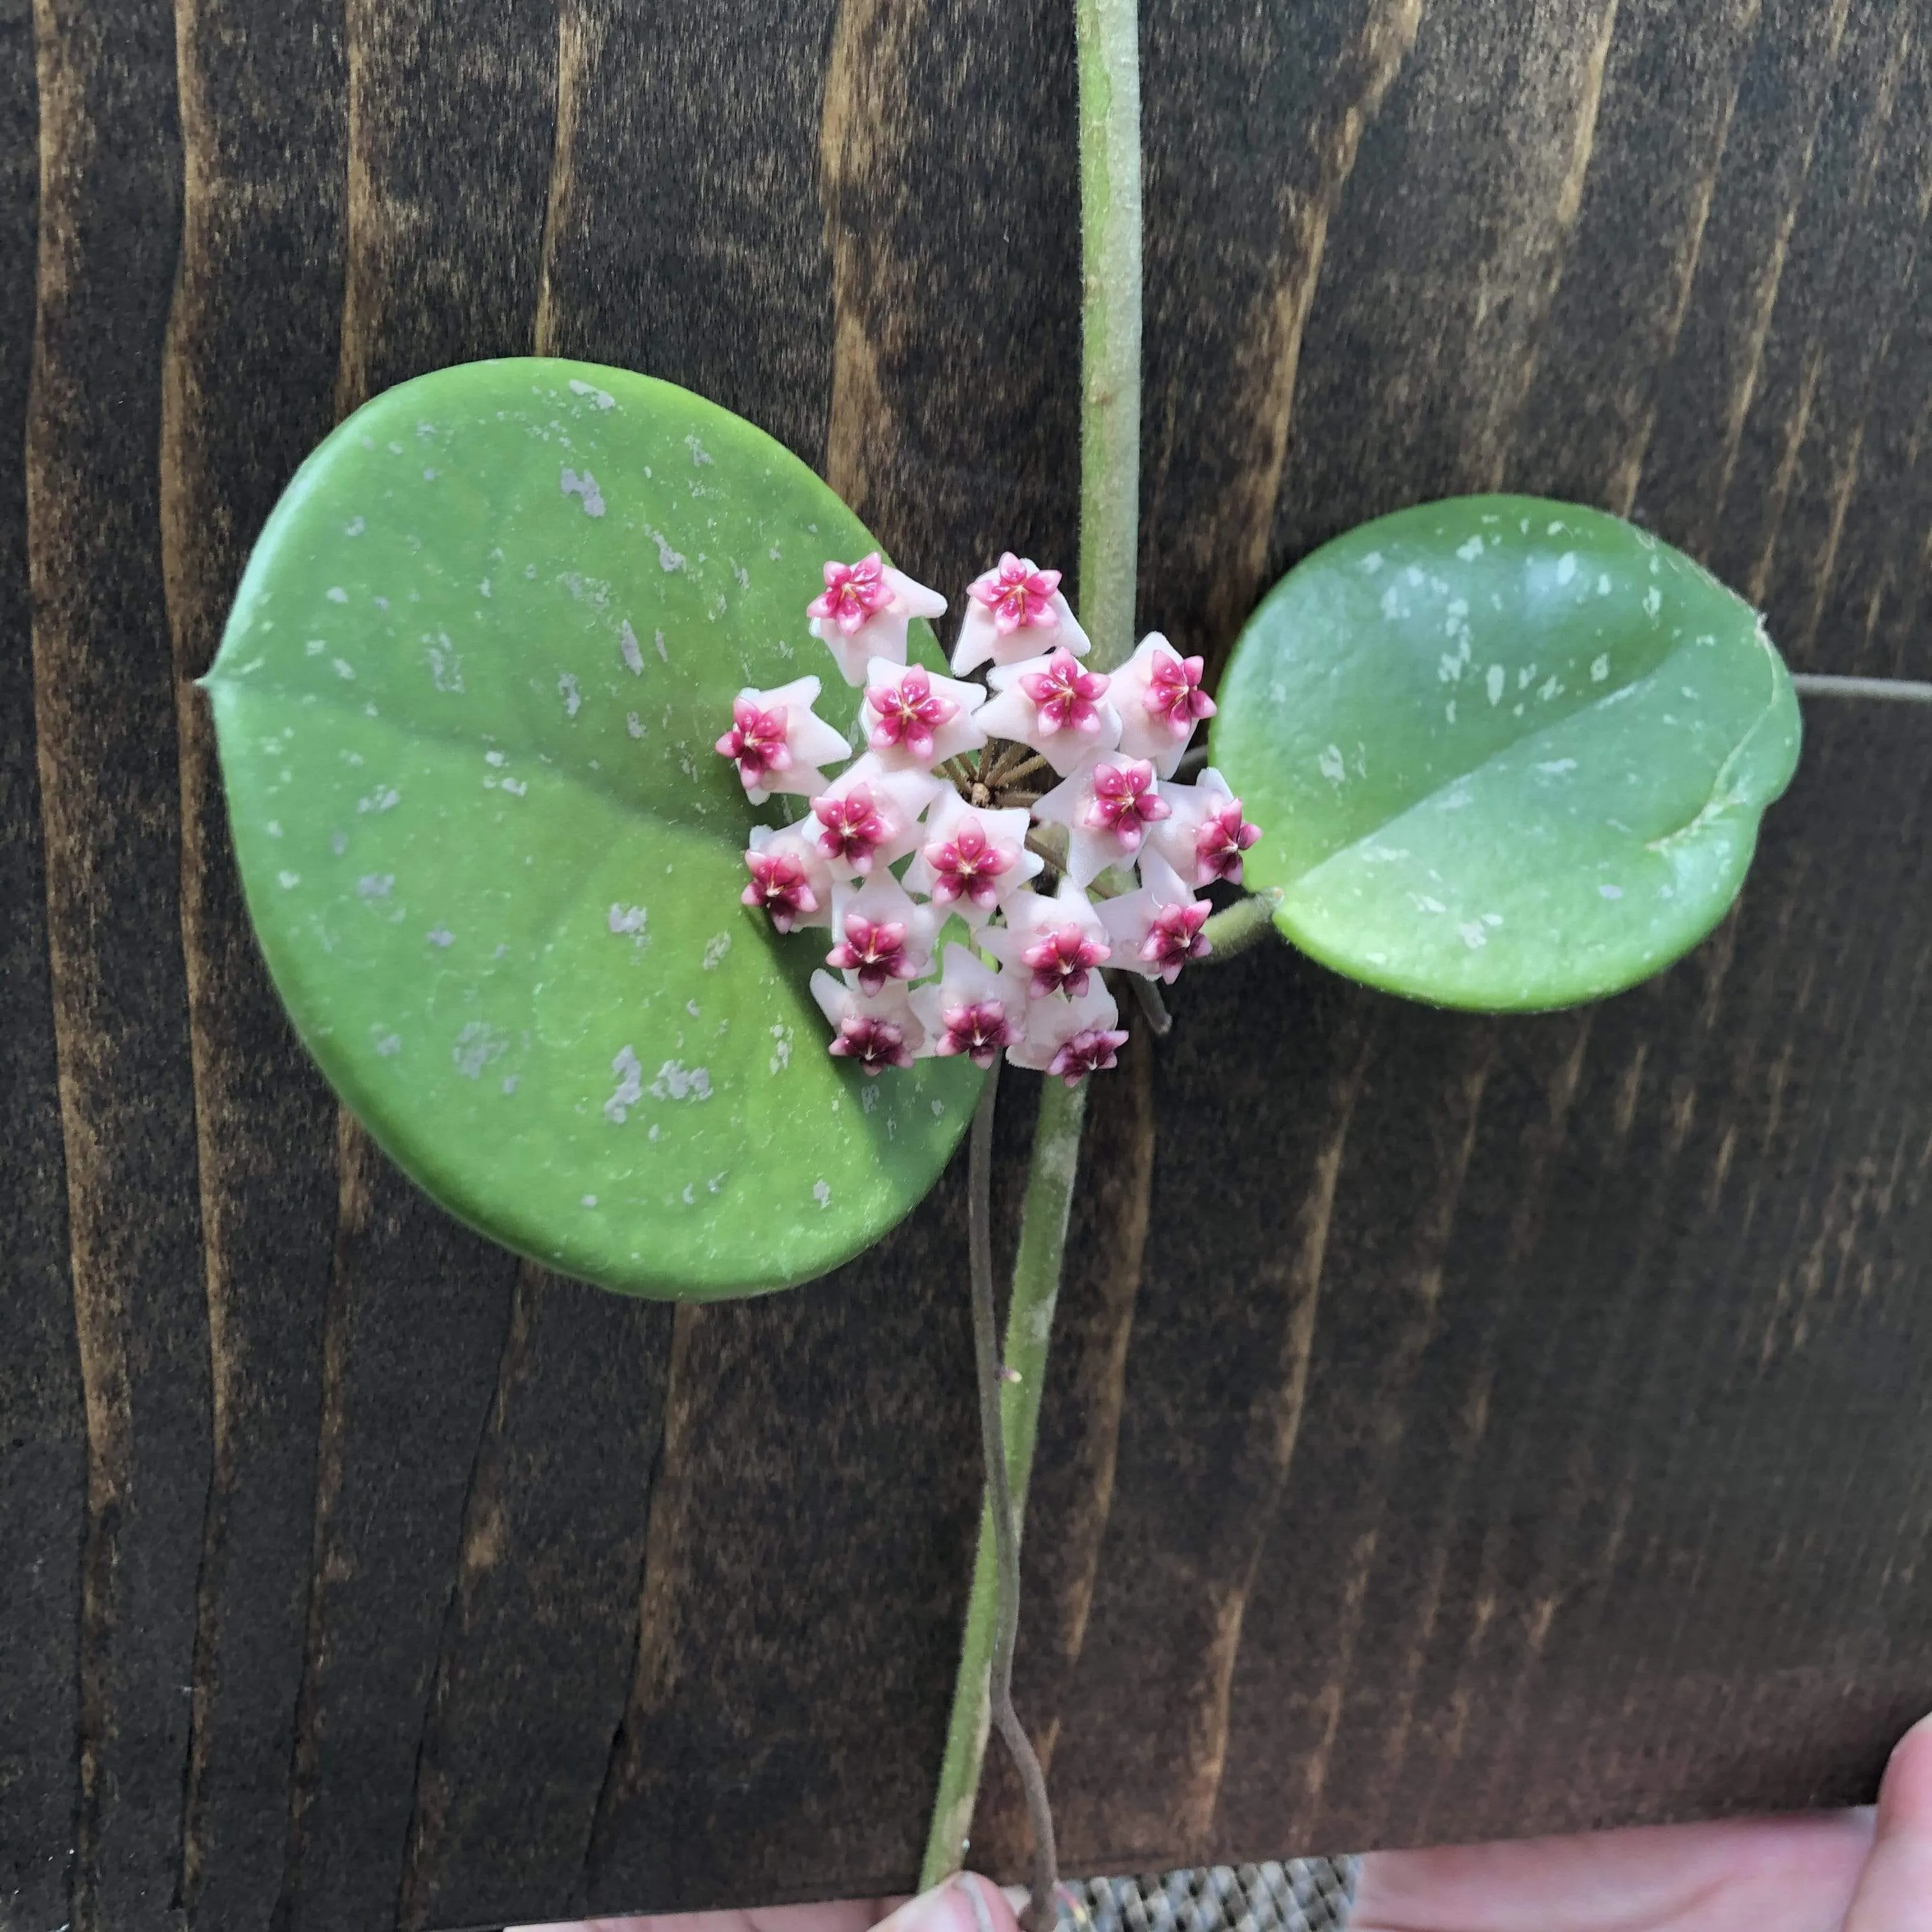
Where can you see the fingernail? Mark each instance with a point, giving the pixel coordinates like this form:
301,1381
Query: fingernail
958,1905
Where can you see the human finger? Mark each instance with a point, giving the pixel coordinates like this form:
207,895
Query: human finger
1895,1892
1756,1875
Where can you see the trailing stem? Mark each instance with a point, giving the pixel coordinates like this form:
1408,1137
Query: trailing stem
999,1497
985,1669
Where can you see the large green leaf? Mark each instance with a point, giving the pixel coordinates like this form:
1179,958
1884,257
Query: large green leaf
1506,754
467,702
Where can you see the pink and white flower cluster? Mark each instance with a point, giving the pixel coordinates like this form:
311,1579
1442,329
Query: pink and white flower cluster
941,819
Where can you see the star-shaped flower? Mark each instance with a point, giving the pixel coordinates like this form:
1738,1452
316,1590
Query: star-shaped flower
1063,712
888,599
1108,806
882,934
1158,694
876,1031
790,879
1056,942
1013,613
1205,836
910,717
972,857
1071,1038
777,742
970,1009
869,814
1155,930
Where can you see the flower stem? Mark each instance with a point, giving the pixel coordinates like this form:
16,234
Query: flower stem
985,1666
1242,924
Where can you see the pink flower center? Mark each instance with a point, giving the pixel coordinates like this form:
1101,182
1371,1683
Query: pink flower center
1218,846
1060,961
1125,803
979,1031
779,886
1175,694
756,740
1063,694
1175,938
851,828
1018,597
854,591
874,949
909,712
966,866
874,1044
1091,1051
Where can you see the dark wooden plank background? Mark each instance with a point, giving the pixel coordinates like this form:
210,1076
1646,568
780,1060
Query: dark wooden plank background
1458,1427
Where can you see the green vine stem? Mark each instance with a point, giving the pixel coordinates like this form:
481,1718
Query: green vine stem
1108,41
1109,36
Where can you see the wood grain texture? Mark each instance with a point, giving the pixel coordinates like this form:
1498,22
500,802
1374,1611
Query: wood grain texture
809,1533
1705,388
1448,247
1247,159
414,1331
538,1650
42,1429
450,118
684,237
954,423
1456,1426
110,218
246,388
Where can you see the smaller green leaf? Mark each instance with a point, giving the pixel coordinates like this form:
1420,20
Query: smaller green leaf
1507,754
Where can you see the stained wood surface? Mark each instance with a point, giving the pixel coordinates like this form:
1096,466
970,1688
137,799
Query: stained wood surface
1457,1426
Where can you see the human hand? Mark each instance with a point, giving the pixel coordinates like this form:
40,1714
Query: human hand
1839,1871
1844,1871
968,1904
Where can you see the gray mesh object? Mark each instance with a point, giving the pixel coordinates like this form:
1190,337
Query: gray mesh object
1300,1895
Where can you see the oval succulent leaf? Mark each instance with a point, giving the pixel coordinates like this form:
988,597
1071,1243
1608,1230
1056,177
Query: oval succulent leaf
1510,754
465,705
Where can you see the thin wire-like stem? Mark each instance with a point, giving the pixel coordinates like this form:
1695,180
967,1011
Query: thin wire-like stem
1000,1504
1012,775
1036,1267
1894,690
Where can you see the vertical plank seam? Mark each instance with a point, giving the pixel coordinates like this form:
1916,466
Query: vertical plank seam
352,1195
